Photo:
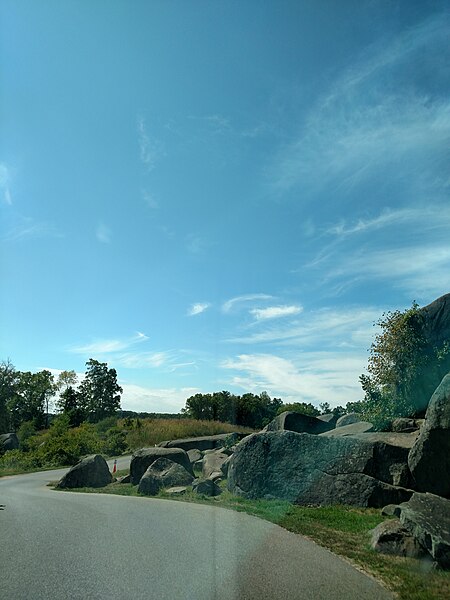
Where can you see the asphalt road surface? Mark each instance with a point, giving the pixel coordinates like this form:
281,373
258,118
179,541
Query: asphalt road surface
61,545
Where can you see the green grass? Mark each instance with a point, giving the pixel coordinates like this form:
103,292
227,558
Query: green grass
343,530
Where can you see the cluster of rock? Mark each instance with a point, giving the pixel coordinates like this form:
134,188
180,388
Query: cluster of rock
313,461
168,466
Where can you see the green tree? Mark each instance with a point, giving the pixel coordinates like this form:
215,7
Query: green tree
31,401
69,404
8,389
66,379
99,391
401,362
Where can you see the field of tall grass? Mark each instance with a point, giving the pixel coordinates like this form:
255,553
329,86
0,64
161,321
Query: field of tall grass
148,432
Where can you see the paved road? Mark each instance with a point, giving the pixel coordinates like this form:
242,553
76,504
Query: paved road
61,545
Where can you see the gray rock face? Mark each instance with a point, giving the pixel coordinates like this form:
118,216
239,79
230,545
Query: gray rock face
206,487
8,441
329,418
207,442
92,471
427,518
163,473
212,463
348,419
294,421
352,429
436,331
404,425
391,537
142,459
429,458
309,469
194,455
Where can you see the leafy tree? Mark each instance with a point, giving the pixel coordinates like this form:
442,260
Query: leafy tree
248,410
66,379
31,401
69,404
8,389
99,391
401,361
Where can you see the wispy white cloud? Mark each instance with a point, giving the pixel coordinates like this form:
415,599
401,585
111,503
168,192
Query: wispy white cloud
327,328
368,121
429,217
150,200
100,347
146,399
216,123
197,244
423,270
275,312
5,182
103,233
197,309
231,304
27,228
313,377
149,149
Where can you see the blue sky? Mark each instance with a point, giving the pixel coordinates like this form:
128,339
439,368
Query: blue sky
220,195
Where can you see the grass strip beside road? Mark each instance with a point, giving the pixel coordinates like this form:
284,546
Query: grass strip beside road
343,530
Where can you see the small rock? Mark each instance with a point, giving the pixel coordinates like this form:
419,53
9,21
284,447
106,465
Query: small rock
391,537
206,487
391,510
178,490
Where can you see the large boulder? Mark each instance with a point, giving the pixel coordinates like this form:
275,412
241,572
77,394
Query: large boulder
8,441
427,518
163,473
434,324
212,463
351,429
206,442
348,419
429,458
142,459
92,471
310,469
294,421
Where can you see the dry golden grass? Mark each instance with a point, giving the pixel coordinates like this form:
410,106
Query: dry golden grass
152,431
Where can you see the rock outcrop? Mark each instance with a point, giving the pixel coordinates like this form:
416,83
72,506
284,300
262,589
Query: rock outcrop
348,419
92,471
311,469
163,473
8,441
429,458
435,328
207,442
427,518
352,429
298,422
142,459
212,463
391,537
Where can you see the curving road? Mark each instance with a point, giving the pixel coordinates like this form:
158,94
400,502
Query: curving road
60,545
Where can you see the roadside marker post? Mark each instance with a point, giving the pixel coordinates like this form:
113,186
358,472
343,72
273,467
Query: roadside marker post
115,466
